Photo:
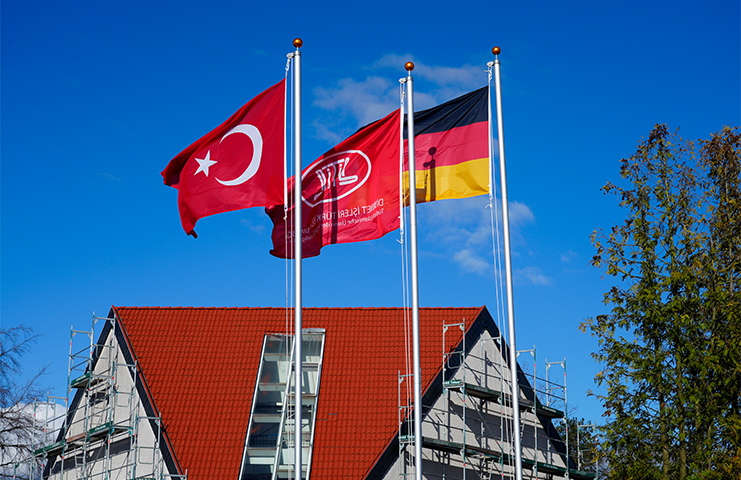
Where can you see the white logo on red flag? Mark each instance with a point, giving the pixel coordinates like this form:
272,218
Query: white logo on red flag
335,177
254,134
344,201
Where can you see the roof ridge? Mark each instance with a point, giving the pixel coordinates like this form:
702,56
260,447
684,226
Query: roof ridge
157,307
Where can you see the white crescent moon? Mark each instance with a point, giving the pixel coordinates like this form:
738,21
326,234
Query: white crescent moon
254,134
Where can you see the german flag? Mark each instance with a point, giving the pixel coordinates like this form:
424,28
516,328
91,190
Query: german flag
451,148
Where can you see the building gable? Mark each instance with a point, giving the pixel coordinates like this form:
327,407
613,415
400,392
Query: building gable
467,416
111,428
201,366
198,371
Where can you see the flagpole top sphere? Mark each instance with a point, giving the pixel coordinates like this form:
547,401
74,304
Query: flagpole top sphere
496,50
297,42
409,66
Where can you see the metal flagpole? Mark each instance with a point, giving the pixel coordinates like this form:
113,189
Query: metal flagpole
415,281
297,237
508,270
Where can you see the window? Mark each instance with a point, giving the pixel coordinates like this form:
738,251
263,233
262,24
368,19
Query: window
270,442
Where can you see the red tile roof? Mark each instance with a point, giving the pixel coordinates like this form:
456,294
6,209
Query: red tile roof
201,365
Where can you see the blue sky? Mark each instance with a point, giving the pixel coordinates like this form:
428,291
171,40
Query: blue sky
98,97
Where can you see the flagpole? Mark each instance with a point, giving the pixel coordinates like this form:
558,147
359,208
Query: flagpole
409,66
508,269
297,255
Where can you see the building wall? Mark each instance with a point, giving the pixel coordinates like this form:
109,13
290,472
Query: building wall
457,419
109,435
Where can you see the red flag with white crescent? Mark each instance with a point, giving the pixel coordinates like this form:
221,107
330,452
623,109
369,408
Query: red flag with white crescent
239,164
349,194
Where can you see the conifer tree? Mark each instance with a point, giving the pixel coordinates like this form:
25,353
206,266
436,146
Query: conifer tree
670,348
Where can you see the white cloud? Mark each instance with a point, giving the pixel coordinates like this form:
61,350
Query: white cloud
367,100
532,275
258,228
359,102
330,133
393,60
459,223
459,211
463,228
108,176
441,83
353,104
49,419
454,79
568,256
519,214
466,209
471,262
460,79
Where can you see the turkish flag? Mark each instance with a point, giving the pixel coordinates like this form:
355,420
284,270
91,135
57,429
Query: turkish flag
239,164
349,194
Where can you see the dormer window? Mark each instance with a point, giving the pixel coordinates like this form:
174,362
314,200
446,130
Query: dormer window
270,441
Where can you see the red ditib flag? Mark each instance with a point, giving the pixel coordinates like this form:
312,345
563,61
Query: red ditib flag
349,194
240,164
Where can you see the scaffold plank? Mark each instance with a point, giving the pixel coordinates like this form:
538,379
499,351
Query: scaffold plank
551,469
548,412
441,445
483,451
86,380
581,474
99,431
477,391
49,450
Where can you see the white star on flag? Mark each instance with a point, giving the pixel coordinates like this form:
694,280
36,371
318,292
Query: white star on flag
204,163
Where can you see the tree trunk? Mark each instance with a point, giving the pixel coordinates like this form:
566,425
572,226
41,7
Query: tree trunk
664,439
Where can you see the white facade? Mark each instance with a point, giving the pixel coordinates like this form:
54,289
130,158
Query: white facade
468,429
109,433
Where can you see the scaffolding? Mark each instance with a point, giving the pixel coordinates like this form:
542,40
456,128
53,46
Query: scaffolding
47,417
106,434
406,426
468,432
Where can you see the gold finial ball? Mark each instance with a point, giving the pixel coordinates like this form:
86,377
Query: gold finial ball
409,66
298,43
496,50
